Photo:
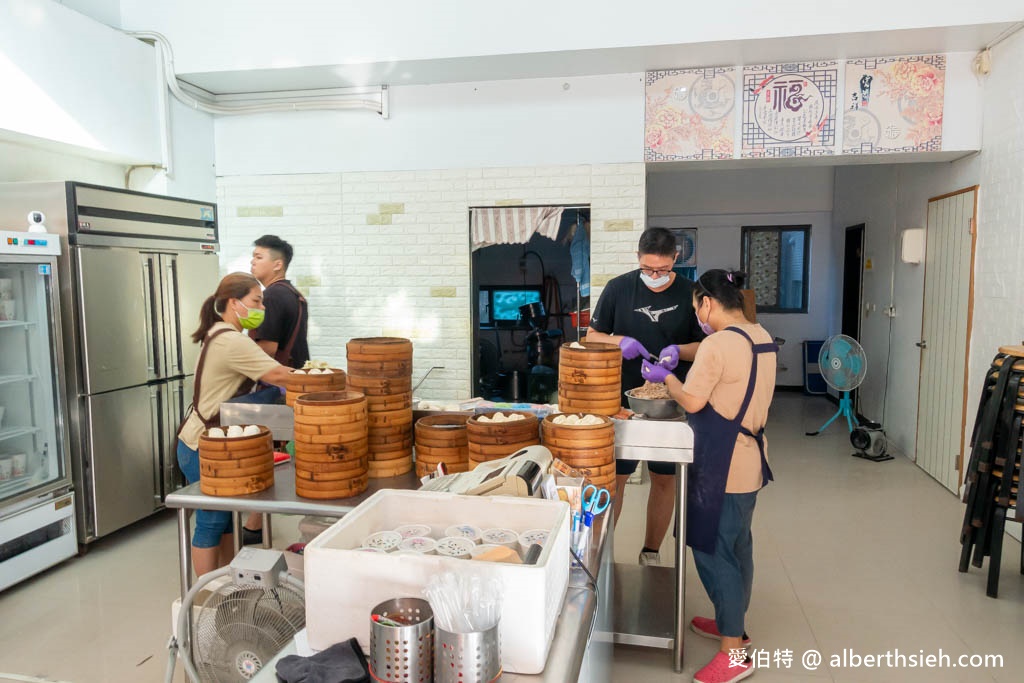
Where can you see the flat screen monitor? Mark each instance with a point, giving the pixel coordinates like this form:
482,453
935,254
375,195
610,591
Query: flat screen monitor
504,302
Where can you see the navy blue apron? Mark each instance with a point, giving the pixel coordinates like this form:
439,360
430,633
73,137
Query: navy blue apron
714,440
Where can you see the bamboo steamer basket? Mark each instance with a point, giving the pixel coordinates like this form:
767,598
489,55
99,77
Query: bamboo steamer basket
440,439
381,368
331,489
587,448
390,468
303,383
380,386
488,441
331,444
590,379
237,465
390,402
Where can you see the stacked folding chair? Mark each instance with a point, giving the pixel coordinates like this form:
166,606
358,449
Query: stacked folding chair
993,475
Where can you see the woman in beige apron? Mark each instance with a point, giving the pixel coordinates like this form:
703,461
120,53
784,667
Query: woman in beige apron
229,363
726,395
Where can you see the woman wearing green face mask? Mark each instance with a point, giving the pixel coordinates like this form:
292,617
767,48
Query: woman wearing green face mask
229,363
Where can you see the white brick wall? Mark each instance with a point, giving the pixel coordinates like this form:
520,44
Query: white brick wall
367,279
999,278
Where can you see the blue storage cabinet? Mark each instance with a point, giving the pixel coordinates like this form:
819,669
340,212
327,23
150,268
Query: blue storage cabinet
814,383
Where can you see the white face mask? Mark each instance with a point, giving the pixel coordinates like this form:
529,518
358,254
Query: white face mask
655,283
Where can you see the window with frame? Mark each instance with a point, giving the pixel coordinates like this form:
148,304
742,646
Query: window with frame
777,262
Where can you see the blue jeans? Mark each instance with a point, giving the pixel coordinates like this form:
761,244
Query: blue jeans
267,395
210,524
728,574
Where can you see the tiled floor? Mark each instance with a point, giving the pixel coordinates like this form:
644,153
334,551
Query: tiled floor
849,555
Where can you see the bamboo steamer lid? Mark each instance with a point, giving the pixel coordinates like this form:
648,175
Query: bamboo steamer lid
452,441
368,348
445,428
298,383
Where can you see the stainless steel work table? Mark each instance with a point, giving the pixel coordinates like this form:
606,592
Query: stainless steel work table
278,499
574,656
569,648
642,615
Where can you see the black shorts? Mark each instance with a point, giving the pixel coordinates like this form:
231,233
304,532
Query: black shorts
627,467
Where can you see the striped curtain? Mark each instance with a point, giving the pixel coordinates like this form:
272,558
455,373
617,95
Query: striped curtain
513,224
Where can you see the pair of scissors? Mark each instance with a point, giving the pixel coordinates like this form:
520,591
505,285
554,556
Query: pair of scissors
595,500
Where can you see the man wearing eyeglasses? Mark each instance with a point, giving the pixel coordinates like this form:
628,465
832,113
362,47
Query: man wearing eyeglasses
649,308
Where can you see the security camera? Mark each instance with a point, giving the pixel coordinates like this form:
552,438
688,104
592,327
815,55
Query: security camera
36,221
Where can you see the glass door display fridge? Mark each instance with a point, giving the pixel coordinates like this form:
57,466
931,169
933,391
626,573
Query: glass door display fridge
37,520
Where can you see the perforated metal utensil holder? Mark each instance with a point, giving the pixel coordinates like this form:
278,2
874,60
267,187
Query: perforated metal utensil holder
402,654
467,657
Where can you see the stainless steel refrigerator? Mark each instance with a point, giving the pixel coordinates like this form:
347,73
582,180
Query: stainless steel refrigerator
134,272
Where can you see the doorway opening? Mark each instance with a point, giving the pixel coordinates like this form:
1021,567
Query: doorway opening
529,294
853,287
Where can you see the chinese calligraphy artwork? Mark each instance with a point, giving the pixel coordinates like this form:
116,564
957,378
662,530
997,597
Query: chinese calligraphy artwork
789,109
894,104
690,114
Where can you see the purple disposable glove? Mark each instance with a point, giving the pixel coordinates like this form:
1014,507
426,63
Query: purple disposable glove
654,373
631,348
669,357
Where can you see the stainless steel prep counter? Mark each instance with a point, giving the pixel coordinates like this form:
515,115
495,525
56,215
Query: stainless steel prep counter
569,655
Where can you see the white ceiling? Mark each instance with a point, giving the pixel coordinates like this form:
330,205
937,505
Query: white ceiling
602,61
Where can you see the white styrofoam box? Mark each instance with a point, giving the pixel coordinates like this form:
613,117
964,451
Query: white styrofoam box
343,584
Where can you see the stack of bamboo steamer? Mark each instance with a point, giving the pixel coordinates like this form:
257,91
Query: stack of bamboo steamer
330,444
299,383
236,466
587,448
488,441
381,368
442,439
590,379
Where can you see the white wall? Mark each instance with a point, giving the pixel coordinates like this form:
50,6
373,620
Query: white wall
243,34
20,162
719,203
71,80
528,122
410,276
889,199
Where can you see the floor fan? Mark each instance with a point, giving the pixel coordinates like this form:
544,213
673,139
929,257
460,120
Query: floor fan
843,365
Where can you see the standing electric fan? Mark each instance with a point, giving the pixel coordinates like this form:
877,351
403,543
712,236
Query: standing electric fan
843,365
243,623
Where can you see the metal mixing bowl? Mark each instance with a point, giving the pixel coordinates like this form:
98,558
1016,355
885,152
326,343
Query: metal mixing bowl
655,408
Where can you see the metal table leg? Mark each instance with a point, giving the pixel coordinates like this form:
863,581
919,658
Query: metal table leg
184,552
236,528
680,620
268,540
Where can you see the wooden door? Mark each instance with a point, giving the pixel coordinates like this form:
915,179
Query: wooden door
945,335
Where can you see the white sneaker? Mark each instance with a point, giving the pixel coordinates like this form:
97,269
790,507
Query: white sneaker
649,558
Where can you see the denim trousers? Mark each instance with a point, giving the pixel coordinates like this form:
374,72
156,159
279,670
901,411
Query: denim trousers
728,573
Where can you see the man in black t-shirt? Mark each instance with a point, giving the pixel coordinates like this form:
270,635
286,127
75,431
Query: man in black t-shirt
652,306
283,332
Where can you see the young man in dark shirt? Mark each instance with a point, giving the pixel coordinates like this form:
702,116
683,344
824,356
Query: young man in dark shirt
283,332
651,306
282,335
